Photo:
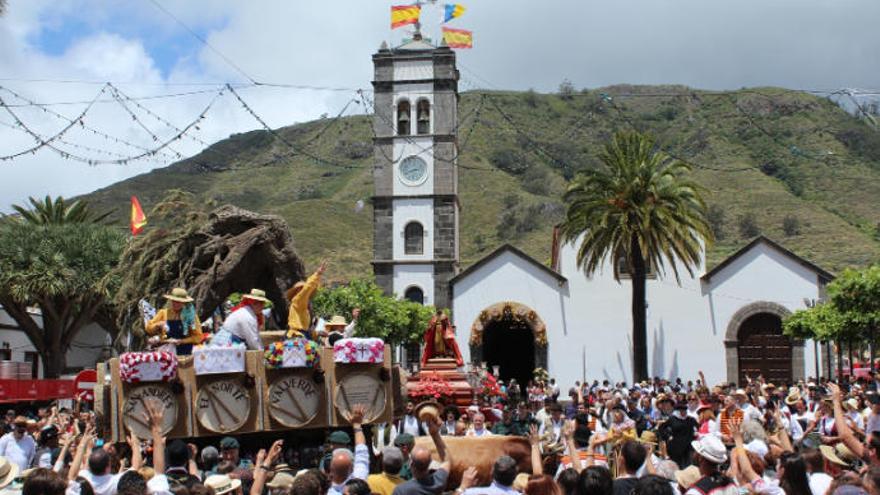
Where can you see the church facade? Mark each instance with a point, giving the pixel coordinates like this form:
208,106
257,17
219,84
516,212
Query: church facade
515,313
518,314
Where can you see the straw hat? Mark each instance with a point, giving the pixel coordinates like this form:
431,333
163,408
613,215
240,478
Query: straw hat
741,392
428,410
281,480
844,453
8,471
336,321
648,437
179,295
256,295
829,454
851,404
222,483
687,478
793,397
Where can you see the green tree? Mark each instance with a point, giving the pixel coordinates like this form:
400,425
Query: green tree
640,206
397,321
58,211
856,294
61,270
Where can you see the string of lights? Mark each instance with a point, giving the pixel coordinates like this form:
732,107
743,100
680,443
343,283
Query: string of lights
42,143
83,125
140,123
117,93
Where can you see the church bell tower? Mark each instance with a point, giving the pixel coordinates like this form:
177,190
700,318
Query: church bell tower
415,202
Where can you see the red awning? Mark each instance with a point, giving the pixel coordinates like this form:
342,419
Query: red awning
35,390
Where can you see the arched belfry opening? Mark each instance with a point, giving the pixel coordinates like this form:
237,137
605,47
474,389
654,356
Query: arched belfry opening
511,336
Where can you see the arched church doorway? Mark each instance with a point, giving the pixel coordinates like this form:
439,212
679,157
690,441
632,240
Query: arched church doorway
511,336
763,349
510,345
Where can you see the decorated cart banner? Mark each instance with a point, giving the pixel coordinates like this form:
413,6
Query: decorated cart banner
26,390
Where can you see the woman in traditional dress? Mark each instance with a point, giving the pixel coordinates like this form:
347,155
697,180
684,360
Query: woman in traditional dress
177,323
299,319
244,323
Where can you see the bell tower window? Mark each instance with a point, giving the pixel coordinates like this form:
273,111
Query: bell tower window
403,118
414,294
423,123
413,238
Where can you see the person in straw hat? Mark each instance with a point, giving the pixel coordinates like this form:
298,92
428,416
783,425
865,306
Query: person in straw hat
177,323
244,322
299,318
337,328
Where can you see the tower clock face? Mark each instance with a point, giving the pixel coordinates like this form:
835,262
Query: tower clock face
413,170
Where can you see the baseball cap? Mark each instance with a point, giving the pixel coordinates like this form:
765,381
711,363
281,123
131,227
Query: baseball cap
229,443
339,437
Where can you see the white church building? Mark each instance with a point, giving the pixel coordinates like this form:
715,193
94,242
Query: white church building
515,313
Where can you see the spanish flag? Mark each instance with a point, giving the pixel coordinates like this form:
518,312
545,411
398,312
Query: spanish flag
138,219
401,15
458,38
451,11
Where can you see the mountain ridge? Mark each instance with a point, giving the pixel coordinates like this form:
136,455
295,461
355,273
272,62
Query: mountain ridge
790,165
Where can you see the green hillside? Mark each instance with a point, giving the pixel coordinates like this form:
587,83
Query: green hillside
790,165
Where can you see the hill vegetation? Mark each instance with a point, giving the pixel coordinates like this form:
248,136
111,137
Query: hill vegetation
790,165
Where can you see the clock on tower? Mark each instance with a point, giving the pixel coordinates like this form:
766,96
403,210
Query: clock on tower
415,206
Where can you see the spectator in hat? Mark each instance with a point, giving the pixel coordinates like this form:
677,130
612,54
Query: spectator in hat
229,451
345,465
336,440
18,446
222,484
48,443
405,443
385,482
710,455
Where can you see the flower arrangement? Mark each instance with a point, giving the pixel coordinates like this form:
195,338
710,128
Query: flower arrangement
489,387
359,351
291,353
540,375
431,386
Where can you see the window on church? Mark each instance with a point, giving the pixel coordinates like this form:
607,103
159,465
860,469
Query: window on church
415,295
622,269
423,116
413,238
403,118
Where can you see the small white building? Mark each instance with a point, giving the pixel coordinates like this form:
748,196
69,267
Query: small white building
90,345
513,312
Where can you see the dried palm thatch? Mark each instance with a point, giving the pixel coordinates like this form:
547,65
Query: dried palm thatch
210,253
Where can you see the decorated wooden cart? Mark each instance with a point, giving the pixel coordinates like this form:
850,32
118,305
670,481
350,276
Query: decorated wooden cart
291,384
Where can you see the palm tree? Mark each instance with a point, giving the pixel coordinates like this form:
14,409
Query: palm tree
639,207
58,211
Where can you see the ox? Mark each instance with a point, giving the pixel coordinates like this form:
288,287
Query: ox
481,453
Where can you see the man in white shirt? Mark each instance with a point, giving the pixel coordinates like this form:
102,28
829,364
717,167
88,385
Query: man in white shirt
17,445
479,428
409,423
873,422
344,465
98,473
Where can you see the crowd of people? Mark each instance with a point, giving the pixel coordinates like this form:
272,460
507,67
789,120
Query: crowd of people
654,437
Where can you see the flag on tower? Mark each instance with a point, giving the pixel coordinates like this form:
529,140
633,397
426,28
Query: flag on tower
451,11
401,15
458,38
138,219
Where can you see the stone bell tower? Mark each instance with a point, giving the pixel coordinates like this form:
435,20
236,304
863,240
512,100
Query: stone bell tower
415,206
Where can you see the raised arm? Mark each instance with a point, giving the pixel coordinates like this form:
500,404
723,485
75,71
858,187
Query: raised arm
84,443
442,451
361,451
264,464
154,416
137,458
535,441
844,432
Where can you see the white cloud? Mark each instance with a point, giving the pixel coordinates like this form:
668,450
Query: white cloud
518,44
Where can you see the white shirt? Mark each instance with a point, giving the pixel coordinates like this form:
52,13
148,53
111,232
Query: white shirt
478,433
104,484
243,324
379,436
20,452
410,424
752,413
360,470
819,483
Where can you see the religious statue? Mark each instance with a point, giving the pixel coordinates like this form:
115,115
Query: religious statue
440,340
